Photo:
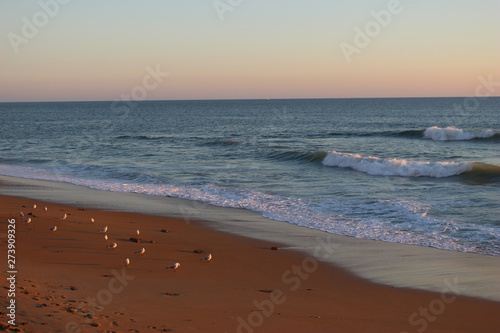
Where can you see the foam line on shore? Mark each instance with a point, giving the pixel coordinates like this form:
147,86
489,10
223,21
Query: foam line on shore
388,263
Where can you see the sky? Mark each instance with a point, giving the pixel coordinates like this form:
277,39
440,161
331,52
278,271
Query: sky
62,50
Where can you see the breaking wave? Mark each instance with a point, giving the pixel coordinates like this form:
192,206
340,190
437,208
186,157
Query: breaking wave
457,134
401,167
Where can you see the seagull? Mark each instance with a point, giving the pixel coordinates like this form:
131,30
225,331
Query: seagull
207,258
104,229
64,217
141,251
105,237
174,266
28,220
45,208
21,214
126,262
33,207
54,228
112,246
92,220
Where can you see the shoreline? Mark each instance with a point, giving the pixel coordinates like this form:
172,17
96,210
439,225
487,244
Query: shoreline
68,281
393,264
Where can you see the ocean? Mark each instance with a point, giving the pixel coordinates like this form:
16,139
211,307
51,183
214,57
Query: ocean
423,171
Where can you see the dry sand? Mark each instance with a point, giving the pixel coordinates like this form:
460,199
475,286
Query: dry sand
68,281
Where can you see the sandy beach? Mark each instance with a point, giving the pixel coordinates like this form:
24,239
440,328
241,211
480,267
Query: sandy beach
69,281
234,166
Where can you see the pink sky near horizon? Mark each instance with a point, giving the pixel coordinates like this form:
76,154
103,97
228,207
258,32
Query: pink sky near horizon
84,53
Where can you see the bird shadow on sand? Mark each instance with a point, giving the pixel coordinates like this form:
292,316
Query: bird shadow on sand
70,239
85,232
160,259
106,252
185,251
74,264
65,247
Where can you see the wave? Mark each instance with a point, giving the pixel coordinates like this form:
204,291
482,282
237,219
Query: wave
484,170
316,156
219,142
144,137
457,134
388,220
349,134
201,140
434,133
412,133
399,167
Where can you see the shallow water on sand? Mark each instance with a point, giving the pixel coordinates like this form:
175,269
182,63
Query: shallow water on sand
413,171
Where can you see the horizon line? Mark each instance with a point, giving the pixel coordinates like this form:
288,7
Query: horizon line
243,99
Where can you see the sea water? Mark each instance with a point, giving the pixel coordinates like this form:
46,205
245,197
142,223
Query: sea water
423,171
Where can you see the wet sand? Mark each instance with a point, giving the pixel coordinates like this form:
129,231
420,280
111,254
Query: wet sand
397,265
69,281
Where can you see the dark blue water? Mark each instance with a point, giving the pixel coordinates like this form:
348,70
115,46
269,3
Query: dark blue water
416,171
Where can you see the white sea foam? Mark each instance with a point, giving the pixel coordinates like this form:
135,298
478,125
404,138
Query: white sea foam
457,134
399,221
395,167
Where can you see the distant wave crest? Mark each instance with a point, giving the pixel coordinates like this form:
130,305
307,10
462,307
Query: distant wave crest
457,134
143,137
400,167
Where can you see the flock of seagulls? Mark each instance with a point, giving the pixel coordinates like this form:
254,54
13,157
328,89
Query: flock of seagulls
112,245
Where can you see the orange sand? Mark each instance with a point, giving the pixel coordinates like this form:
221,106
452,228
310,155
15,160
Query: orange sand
68,281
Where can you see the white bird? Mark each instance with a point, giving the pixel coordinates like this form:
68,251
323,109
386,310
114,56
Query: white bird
112,246
141,251
105,237
92,220
104,229
45,209
64,217
28,220
207,258
21,214
126,262
137,232
33,207
174,266
54,228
